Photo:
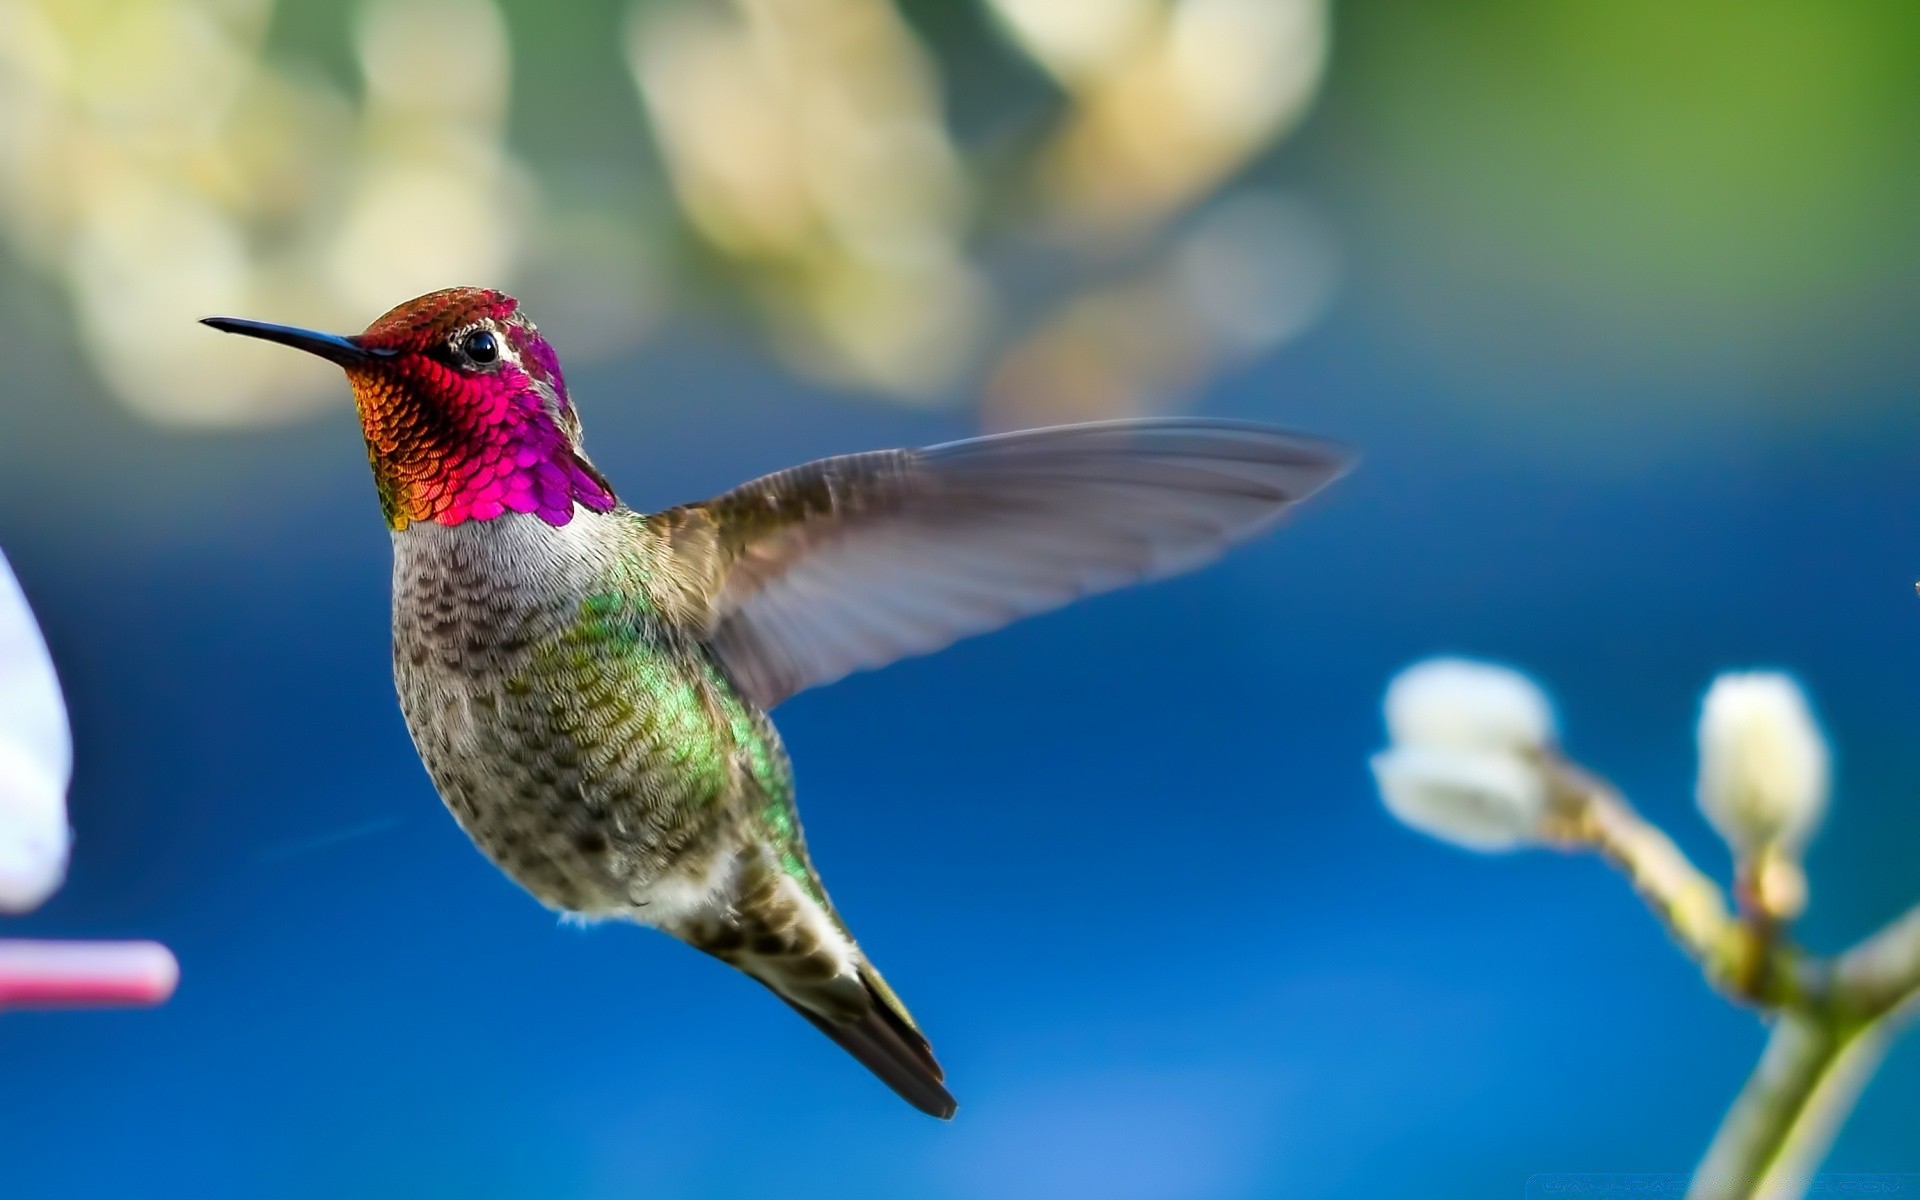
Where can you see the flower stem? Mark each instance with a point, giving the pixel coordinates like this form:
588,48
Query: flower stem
1749,968
1786,1116
1832,1020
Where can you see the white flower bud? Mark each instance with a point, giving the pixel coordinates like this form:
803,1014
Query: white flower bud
36,758
1460,704
1763,762
1480,800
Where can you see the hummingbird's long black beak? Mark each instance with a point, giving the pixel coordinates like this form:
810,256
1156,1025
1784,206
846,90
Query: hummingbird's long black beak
331,346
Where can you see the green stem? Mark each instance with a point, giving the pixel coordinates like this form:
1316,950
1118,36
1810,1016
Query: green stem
1786,1116
1833,1021
1881,974
1591,815
1825,1046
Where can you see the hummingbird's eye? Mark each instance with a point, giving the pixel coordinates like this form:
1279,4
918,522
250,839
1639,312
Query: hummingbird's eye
480,347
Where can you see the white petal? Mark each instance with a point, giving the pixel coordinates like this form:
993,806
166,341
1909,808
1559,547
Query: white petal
1460,704
36,758
32,712
33,830
1482,800
1763,761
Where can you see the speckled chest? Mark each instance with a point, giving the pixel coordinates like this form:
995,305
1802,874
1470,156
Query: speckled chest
571,735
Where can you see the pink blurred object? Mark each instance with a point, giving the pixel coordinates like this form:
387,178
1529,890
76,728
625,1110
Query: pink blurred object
84,974
36,764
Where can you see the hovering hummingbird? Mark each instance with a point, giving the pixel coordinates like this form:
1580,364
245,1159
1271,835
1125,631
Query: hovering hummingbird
588,685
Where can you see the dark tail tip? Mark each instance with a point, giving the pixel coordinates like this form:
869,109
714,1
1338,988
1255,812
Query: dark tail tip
899,1060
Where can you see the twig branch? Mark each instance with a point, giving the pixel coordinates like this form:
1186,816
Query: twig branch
1786,1116
1473,759
1590,814
1882,973
1834,1019
1813,1070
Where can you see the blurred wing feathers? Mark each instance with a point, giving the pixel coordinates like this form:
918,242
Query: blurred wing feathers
853,562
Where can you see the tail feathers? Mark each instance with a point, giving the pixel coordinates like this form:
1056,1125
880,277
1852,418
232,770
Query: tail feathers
795,946
886,1043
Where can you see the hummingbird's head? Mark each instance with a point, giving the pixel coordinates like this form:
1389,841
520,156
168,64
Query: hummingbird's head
464,408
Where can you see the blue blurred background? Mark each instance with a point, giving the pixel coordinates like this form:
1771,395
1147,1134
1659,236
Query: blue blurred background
1617,301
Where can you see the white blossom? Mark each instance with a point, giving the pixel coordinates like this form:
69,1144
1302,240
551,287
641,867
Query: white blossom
36,758
1480,800
1463,761
1763,762
1460,704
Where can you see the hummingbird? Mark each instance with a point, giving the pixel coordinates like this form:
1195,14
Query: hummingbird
588,685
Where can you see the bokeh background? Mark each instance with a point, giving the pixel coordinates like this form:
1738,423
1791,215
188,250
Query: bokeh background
1617,299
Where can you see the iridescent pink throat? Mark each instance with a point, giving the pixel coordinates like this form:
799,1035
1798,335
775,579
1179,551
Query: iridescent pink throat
478,448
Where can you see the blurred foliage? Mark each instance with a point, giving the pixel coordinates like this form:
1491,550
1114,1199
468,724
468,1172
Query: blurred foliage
161,160
156,166
1720,194
1069,207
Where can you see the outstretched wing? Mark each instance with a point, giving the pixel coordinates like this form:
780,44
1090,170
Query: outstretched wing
847,563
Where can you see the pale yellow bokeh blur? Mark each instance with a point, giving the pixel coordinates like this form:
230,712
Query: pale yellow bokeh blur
159,165
1248,277
1170,104
1082,42
154,164
806,145
805,140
